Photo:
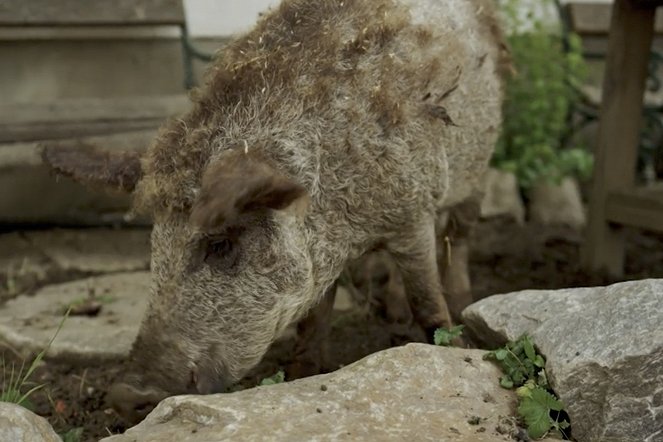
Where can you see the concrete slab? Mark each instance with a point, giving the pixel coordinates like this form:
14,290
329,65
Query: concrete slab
27,323
22,266
95,250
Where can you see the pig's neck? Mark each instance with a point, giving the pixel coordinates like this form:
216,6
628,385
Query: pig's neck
331,243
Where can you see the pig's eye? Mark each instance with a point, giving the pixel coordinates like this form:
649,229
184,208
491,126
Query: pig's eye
221,247
220,253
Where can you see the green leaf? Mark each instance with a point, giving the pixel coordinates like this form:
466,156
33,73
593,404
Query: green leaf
443,336
72,435
529,349
506,382
524,392
539,361
276,378
535,411
501,354
563,425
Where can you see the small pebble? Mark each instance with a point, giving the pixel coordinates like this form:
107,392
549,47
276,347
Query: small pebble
318,410
323,387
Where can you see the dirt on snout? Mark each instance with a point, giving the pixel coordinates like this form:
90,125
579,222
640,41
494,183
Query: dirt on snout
505,257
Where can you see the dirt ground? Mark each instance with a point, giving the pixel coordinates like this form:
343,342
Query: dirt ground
505,257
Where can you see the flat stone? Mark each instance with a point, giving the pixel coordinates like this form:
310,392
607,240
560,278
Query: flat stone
604,351
22,265
27,323
502,196
18,424
95,250
415,392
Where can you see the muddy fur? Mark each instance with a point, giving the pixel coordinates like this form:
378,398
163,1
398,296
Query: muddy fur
384,112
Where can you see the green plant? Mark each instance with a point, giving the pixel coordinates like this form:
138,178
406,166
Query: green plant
14,387
444,336
539,98
72,435
277,378
524,369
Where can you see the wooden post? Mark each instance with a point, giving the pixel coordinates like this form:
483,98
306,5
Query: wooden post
619,126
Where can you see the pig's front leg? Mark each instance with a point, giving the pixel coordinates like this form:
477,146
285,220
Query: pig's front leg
414,251
310,351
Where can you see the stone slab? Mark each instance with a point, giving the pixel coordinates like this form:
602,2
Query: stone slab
28,322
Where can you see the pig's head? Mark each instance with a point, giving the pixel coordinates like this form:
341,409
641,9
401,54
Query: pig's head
230,272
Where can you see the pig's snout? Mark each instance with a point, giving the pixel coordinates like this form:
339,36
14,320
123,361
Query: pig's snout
135,400
132,403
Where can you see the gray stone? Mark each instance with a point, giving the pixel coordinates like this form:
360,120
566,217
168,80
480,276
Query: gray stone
502,196
95,250
557,204
604,351
20,425
416,392
27,323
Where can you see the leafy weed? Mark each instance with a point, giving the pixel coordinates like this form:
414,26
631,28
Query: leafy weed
444,336
524,369
277,378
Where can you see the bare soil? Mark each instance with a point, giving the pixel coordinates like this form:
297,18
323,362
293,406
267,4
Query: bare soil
505,258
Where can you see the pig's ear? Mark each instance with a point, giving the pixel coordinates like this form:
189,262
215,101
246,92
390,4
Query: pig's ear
118,171
241,183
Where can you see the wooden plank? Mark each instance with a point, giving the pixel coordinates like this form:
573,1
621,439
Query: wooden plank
619,123
594,18
78,117
90,12
640,208
647,3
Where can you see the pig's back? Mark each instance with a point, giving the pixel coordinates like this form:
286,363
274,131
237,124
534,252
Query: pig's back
412,124
380,108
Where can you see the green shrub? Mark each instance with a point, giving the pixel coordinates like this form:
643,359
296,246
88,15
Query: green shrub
539,97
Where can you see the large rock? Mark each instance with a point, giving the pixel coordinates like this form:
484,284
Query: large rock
604,350
416,392
557,204
502,196
20,425
27,323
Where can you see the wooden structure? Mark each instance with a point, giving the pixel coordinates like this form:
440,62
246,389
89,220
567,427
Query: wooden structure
72,118
104,13
615,200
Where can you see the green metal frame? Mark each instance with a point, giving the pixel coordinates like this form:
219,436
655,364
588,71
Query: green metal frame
189,53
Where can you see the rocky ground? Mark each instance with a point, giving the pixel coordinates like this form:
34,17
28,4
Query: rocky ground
103,272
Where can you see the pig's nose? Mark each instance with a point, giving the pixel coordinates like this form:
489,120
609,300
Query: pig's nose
132,403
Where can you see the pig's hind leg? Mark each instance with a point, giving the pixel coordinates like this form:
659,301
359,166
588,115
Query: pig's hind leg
453,254
310,351
415,253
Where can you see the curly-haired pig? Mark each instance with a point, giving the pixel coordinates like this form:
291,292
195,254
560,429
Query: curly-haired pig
331,128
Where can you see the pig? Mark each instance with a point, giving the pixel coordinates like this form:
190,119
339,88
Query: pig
332,128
